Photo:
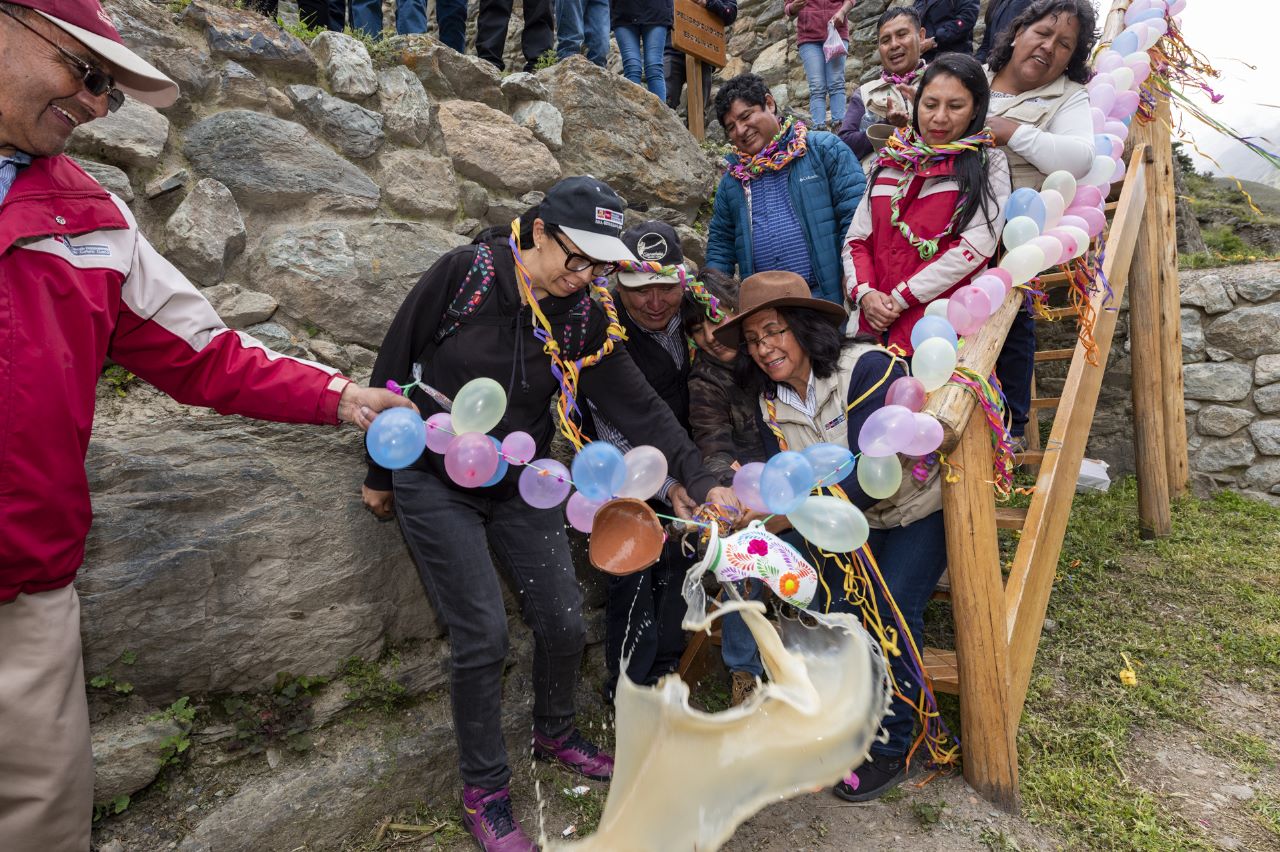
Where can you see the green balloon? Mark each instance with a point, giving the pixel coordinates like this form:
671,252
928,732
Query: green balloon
879,477
835,525
478,406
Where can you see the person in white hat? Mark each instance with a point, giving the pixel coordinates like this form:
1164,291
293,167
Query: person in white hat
79,284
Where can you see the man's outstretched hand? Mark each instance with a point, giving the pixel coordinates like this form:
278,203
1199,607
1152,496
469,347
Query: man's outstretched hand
359,405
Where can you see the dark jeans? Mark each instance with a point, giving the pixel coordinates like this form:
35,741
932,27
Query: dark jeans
642,619
451,20
491,31
338,15
450,533
673,62
911,558
313,13
1015,368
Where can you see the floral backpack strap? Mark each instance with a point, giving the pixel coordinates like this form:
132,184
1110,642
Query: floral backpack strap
471,294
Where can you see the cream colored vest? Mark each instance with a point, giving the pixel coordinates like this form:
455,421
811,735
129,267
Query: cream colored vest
1037,108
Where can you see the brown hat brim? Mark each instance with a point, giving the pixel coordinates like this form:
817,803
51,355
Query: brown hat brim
730,333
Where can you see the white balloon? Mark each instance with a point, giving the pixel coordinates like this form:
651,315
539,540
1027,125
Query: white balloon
937,308
1062,182
1023,263
646,471
1123,77
1054,206
1101,173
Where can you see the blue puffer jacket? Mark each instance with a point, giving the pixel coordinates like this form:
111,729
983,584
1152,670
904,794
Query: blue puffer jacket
826,185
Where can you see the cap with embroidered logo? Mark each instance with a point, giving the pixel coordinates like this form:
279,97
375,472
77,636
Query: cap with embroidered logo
589,212
655,242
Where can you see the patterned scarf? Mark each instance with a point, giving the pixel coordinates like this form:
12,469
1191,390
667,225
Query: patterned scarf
908,152
906,79
772,157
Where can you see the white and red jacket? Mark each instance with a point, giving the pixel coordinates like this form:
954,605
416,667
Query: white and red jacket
78,284
877,256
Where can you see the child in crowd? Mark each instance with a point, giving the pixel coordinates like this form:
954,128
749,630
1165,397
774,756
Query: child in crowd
641,27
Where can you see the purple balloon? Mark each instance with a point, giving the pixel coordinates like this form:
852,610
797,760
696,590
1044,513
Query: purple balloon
908,392
1103,97
1074,221
1069,245
1116,127
471,459
746,486
886,431
993,287
1099,119
581,512
1126,104
1109,61
439,432
1003,274
927,437
519,448
544,483
1093,217
1087,196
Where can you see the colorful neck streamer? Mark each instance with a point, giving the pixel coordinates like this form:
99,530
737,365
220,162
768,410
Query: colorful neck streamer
773,157
695,288
906,79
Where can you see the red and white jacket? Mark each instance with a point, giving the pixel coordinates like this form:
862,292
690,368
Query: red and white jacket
877,257
78,284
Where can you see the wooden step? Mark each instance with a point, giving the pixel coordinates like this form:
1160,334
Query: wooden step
1010,518
1029,457
1054,279
940,666
1057,314
1046,402
1055,355
942,591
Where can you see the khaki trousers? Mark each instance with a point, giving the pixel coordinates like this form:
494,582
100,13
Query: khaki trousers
46,765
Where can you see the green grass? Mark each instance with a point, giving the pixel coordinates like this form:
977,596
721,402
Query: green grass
1190,610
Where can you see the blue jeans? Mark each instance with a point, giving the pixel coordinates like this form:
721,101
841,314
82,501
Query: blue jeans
738,647
654,40
451,534
826,81
411,16
1015,368
579,22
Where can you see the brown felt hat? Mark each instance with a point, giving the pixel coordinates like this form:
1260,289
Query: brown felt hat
774,290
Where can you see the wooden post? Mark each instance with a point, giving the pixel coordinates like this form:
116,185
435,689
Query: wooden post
1162,208
1146,351
693,88
977,600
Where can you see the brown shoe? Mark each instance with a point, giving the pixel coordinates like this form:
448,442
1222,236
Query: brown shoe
744,684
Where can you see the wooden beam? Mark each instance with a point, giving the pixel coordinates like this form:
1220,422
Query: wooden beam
1054,355
988,731
1010,518
693,97
941,667
1035,563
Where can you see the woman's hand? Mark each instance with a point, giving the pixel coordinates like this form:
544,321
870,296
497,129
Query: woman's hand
381,503
1002,127
724,496
880,310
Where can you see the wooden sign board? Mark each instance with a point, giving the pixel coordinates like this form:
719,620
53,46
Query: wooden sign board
698,33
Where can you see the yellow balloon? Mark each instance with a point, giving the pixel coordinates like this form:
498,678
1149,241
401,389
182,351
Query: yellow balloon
879,477
933,362
1023,263
478,406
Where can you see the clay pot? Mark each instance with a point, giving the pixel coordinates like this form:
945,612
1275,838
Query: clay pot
878,134
626,537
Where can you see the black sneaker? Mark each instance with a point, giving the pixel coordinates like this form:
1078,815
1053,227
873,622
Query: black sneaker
877,776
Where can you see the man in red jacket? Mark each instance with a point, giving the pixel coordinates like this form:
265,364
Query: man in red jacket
78,284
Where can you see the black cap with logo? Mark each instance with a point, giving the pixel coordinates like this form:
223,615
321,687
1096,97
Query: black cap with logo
590,213
655,242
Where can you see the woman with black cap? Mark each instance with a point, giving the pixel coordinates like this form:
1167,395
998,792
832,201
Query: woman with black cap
516,306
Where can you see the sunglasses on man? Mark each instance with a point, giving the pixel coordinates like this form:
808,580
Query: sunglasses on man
96,81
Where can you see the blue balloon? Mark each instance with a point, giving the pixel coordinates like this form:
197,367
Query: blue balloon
503,464
1102,146
599,471
1126,43
396,438
786,481
1149,15
831,462
931,326
1026,202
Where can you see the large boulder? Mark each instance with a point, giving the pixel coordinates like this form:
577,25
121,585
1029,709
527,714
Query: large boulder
129,751
410,115
225,551
348,278
1217,382
418,184
271,164
624,136
448,74
1247,332
346,64
489,147
205,233
250,37
134,135
352,129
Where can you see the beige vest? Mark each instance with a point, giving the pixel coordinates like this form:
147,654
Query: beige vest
877,95
1037,108
914,500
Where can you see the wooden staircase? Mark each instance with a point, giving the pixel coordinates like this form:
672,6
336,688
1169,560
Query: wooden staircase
998,621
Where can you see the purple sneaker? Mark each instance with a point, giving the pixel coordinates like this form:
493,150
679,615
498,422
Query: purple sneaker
572,751
487,815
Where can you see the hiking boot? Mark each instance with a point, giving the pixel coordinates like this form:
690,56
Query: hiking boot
487,815
573,752
877,776
744,685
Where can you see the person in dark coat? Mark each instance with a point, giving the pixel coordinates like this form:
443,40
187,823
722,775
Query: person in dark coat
948,24
641,28
1000,15
727,12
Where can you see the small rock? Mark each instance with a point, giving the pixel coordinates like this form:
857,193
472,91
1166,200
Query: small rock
1268,399
468,227
1260,285
1264,476
166,184
475,200
1226,841
190,69
240,87
127,752
247,36
544,120
361,358
1266,436
1247,332
279,103
1049,625
523,86
1216,455
112,846
111,178
1221,420
134,135
279,339
1205,290
1214,382
483,142
346,63
332,354
206,232
240,308
352,129
1215,354
419,184
1239,792
409,113
1266,369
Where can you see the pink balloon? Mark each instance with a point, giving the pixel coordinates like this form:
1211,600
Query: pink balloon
746,486
1141,71
581,512
962,319
1094,218
544,483
927,437
1052,249
471,459
993,287
1099,119
1003,274
1074,221
519,448
1116,127
1068,243
1109,61
1102,78
908,392
1126,103
886,431
439,432
1087,196
974,300
1103,97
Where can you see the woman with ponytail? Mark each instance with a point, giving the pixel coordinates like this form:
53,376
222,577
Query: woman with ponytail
933,216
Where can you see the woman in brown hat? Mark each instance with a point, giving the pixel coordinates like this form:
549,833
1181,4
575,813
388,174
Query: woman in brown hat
808,375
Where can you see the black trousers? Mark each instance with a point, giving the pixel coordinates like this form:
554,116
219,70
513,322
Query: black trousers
313,13
673,62
491,30
642,619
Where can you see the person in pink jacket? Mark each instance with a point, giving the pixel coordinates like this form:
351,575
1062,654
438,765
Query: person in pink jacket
79,284
826,76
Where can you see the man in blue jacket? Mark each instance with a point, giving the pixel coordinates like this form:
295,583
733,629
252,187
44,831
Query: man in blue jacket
788,196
